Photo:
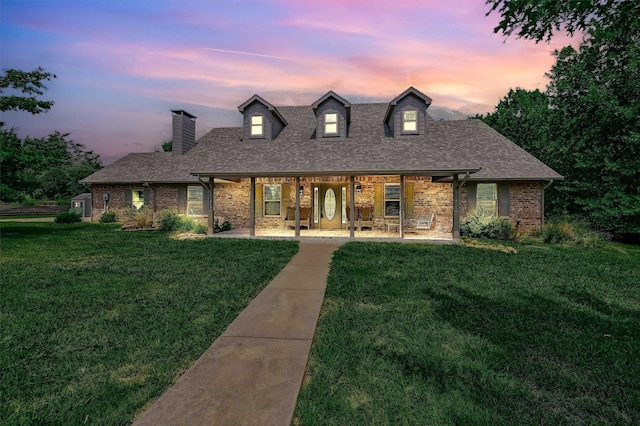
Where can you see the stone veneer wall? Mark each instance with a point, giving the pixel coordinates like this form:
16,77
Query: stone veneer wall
232,203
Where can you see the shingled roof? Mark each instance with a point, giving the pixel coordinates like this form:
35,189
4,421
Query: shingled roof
446,148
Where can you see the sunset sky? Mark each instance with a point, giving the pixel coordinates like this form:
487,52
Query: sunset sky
122,65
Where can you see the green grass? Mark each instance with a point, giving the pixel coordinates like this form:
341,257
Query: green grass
420,334
27,216
96,322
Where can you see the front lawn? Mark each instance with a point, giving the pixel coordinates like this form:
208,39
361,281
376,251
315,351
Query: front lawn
96,322
422,334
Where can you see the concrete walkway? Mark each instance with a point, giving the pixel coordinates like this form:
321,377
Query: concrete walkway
252,373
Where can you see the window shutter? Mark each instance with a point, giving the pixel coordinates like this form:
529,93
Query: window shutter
206,200
408,198
182,199
503,198
471,196
378,206
128,201
259,206
147,196
284,199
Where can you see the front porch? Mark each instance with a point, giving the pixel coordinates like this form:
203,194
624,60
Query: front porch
414,207
330,234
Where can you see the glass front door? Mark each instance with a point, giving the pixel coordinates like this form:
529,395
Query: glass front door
327,205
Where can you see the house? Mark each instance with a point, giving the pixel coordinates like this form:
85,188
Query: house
389,161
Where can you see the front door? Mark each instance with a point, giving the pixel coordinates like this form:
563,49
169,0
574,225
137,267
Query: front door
328,205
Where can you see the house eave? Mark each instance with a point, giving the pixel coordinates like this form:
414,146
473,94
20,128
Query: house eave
313,173
448,178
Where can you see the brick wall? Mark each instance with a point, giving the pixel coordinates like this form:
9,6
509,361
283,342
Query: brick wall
525,204
160,196
232,200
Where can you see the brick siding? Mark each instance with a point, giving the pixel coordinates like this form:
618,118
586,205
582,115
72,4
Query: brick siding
232,200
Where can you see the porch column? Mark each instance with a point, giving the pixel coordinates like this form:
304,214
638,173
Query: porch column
210,215
456,208
402,201
297,206
352,206
252,208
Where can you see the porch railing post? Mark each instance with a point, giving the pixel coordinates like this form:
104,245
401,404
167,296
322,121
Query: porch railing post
456,208
402,201
252,208
210,219
352,206
297,206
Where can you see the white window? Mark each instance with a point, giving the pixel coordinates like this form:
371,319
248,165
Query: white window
272,197
137,198
392,199
410,121
257,125
487,198
194,200
331,123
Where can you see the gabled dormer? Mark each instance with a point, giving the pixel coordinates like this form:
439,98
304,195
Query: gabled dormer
333,116
262,121
407,113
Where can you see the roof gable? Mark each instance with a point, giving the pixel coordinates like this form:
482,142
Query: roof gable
268,105
411,90
330,94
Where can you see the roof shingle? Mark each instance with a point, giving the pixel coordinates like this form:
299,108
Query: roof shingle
447,147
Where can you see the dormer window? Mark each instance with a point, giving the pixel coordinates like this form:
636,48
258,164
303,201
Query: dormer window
330,123
257,125
410,121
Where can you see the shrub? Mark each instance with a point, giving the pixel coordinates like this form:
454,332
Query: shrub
480,224
68,217
63,201
565,230
108,217
200,228
169,220
187,224
28,201
142,218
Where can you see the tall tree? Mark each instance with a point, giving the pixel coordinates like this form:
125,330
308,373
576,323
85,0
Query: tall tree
593,136
29,83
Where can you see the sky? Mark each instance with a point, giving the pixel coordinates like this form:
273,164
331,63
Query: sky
121,66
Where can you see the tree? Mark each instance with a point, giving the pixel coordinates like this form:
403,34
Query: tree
593,135
539,19
167,146
38,167
28,83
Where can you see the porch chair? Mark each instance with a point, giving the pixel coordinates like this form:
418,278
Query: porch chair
305,217
365,218
425,221
355,219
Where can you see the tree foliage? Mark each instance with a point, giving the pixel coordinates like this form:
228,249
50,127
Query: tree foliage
30,83
48,167
587,124
540,19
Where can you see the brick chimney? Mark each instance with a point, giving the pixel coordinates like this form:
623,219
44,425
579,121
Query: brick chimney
184,132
